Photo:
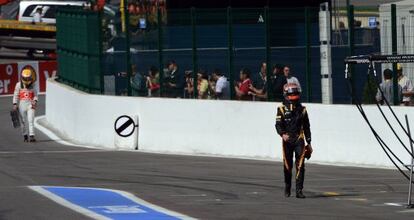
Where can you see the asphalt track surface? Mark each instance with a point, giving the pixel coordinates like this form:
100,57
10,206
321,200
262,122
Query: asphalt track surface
201,187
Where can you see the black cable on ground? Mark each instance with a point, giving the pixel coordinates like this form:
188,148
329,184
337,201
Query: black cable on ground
384,146
376,135
381,142
385,117
393,113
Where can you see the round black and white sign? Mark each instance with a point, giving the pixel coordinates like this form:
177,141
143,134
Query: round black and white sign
125,126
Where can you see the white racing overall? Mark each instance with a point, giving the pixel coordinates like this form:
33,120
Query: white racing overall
25,97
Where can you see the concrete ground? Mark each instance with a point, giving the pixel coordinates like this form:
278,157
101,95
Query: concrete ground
201,187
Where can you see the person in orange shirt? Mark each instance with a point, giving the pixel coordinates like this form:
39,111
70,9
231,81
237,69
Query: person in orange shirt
25,101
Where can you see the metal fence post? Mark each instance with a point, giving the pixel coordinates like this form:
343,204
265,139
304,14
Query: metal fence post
100,56
127,47
394,51
230,51
194,51
268,54
160,48
351,42
308,56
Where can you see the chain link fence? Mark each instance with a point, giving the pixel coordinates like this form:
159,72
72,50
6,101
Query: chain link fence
220,40
178,52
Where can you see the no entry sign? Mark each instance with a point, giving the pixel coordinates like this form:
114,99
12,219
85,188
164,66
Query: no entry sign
125,126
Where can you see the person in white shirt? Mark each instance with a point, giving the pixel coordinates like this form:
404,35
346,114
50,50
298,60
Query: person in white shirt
387,88
37,16
406,86
222,88
291,79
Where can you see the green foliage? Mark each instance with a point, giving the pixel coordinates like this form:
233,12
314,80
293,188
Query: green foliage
370,90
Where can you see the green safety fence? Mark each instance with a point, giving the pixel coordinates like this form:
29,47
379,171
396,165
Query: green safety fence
227,39
79,48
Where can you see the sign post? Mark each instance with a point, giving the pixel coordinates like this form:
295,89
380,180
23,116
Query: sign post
325,50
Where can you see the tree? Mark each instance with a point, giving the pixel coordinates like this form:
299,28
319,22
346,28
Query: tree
370,91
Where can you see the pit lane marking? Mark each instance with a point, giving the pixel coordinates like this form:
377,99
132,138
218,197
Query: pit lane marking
105,204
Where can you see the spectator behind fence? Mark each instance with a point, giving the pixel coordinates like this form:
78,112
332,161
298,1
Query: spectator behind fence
174,85
138,85
153,82
189,84
222,88
242,88
211,86
277,81
290,78
258,88
202,84
388,89
121,83
406,86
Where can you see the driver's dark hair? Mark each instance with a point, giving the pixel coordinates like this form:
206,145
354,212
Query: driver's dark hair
246,72
218,72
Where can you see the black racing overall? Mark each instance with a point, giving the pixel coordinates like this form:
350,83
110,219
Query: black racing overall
292,119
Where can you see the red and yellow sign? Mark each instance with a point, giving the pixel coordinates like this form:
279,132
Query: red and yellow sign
9,74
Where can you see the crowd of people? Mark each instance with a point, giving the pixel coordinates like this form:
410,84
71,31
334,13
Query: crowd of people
247,86
213,85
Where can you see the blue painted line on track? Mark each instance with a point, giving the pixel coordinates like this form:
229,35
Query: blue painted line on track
107,203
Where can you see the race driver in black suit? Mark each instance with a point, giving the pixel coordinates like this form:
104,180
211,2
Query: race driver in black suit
292,124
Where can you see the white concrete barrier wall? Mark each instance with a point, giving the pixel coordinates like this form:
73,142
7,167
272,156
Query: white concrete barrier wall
221,128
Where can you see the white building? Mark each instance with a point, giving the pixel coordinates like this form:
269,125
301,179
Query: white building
405,32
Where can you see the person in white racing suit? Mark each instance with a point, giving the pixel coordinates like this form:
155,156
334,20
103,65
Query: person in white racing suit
25,101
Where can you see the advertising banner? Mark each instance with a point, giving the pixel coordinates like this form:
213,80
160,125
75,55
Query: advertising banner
9,74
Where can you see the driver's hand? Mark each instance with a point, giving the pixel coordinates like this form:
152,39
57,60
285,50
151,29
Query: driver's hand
34,104
285,137
310,148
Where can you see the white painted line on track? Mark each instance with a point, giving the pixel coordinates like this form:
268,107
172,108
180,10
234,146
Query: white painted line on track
67,204
208,200
189,195
353,199
393,204
255,193
52,151
358,185
152,206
